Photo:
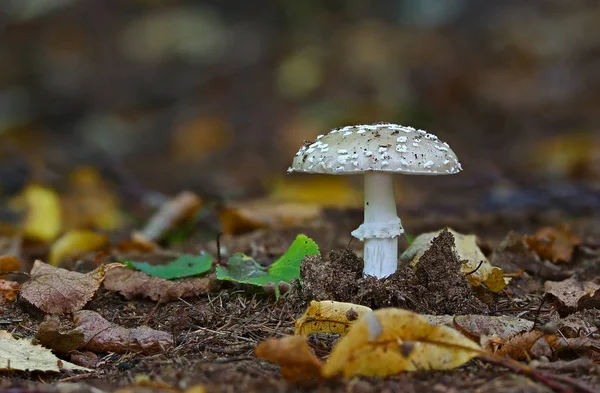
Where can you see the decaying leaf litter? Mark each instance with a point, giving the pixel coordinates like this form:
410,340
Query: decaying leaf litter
136,305
519,112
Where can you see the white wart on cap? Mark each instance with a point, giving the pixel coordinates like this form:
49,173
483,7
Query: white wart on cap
381,147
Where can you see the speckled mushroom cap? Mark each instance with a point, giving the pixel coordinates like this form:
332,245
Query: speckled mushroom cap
381,147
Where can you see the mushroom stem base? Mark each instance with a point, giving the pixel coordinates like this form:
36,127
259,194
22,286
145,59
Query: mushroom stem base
382,226
382,255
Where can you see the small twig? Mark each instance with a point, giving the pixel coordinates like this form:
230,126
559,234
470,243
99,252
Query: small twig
537,314
477,268
75,377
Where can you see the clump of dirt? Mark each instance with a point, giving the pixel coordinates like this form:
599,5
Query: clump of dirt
335,279
436,286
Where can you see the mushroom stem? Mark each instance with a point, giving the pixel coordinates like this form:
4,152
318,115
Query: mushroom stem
382,226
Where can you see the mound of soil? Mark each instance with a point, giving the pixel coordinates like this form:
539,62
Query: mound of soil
437,286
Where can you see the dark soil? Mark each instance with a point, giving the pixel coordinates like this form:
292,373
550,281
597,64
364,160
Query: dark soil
216,333
436,286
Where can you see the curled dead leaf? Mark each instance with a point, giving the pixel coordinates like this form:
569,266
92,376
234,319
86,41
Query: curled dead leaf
554,243
571,295
101,335
133,283
51,336
60,291
294,356
329,317
245,217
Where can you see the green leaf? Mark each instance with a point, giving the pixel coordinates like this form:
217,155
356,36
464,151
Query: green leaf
184,266
243,269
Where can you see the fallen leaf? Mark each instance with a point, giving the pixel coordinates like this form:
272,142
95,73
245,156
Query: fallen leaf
101,335
8,264
329,317
137,244
198,137
184,266
475,264
515,254
294,356
51,336
75,243
554,243
171,214
571,295
59,291
525,346
43,220
89,202
22,355
243,217
317,190
131,283
8,290
572,155
243,269
388,341
481,327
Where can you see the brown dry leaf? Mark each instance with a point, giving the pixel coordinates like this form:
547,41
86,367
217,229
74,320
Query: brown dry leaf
22,354
329,317
475,263
388,341
89,202
8,290
571,295
74,243
245,217
480,327
172,213
59,291
196,138
554,243
101,335
50,336
9,263
530,345
133,283
294,356
43,221
137,244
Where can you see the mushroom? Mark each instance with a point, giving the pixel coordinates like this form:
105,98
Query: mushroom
377,151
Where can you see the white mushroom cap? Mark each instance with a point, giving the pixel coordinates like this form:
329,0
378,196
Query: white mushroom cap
381,147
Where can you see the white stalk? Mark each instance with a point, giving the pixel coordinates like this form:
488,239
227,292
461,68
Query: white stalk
382,226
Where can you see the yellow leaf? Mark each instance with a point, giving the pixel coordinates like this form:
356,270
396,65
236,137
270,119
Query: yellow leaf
322,190
74,243
263,213
89,202
388,341
329,317
43,220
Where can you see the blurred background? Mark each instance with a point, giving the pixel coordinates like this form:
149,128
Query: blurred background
137,100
